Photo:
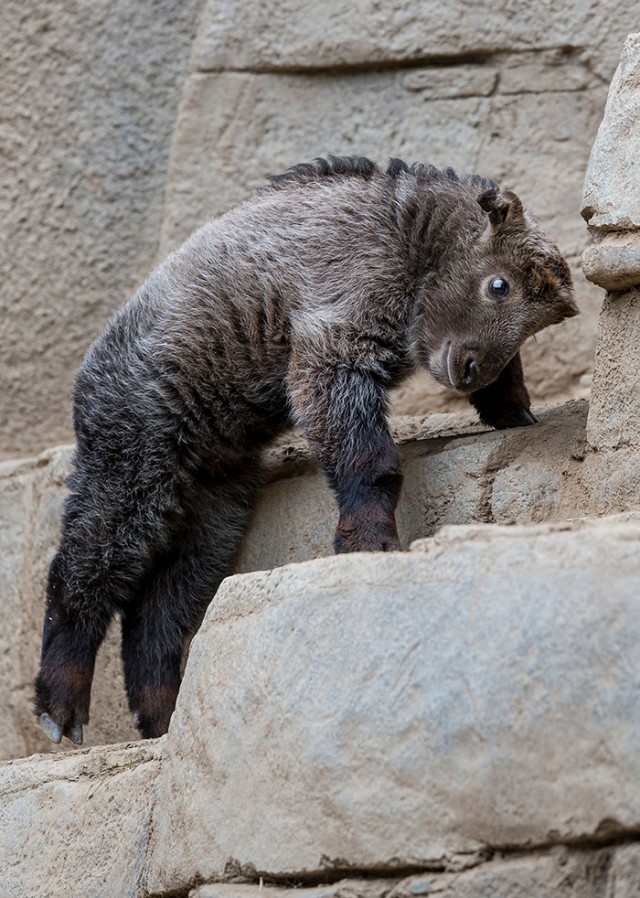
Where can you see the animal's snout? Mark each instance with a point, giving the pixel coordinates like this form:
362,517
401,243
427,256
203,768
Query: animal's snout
462,366
471,372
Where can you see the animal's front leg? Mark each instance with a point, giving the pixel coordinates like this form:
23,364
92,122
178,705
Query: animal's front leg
505,402
343,412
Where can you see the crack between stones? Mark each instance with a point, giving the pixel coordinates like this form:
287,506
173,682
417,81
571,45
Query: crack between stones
435,60
247,874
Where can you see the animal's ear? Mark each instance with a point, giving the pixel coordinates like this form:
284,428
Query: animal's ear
504,209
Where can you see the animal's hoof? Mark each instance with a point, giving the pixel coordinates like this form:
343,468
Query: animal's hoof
54,730
519,418
50,728
527,417
74,733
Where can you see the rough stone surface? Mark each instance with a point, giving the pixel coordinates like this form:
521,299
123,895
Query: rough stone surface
287,34
613,261
611,198
89,94
31,495
77,824
454,474
408,709
558,873
614,413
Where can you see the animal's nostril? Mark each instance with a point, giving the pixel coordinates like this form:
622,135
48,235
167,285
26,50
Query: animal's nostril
470,372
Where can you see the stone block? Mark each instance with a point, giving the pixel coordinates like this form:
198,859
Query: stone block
454,474
285,35
89,96
556,873
613,261
410,709
611,200
614,411
77,823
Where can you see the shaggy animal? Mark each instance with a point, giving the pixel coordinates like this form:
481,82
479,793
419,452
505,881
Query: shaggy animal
304,305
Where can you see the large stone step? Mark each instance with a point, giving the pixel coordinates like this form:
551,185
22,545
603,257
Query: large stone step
375,714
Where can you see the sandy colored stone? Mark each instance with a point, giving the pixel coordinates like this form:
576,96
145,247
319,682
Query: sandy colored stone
89,94
408,709
555,873
624,875
613,261
614,412
611,200
286,34
455,473
78,823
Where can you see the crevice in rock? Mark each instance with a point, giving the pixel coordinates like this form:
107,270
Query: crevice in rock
247,875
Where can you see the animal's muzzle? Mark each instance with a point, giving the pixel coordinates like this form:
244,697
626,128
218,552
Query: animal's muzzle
463,368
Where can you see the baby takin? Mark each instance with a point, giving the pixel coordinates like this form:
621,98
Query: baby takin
303,306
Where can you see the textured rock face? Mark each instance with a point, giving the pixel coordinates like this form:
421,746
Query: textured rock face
77,824
611,199
611,203
285,34
454,474
89,94
409,709
461,709
614,413
560,873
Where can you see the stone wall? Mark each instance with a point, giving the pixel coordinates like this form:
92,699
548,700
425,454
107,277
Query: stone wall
89,93
459,720
94,97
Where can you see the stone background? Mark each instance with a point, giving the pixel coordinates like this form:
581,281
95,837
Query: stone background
115,147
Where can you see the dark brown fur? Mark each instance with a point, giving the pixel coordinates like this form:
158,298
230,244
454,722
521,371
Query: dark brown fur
303,305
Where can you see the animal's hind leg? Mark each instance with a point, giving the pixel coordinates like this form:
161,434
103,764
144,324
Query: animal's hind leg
104,552
70,641
505,402
175,595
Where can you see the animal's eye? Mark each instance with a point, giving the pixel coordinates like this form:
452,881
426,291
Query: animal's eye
499,288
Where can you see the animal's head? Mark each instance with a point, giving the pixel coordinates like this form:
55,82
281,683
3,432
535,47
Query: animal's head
491,294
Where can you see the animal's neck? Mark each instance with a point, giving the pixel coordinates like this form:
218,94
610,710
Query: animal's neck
448,223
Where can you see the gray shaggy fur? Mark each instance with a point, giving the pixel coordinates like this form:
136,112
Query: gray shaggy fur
303,305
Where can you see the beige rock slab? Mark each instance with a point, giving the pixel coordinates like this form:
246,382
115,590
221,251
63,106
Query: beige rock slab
381,711
287,34
453,473
89,94
614,412
556,873
612,261
77,824
611,200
